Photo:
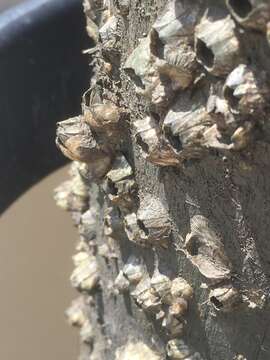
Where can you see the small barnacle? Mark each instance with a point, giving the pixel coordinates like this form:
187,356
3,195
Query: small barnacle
174,327
145,298
216,45
133,230
108,31
246,90
136,351
153,218
88,224
180,288
225,298
178,350
121,283
85,275
120,185
73,194
133,269
75,139
252,14
113,224
161,286
76,314
242,136
204,248
153,146
87,333
178,308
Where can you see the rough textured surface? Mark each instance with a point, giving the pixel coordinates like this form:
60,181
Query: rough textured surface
228,186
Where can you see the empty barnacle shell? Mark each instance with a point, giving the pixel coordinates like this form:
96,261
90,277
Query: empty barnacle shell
187,120
178,350
75,139
121,283
252,14
225,298
246,90
153,218
85,275
153,146
180,288
87,333
133,269
204,248
76,314
88,224
178,308
174,327
136,351
216,45
145,298
161,286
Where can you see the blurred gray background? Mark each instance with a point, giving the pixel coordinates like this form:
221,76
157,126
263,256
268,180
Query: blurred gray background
36,243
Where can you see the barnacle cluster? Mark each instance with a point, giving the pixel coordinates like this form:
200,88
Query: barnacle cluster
201,90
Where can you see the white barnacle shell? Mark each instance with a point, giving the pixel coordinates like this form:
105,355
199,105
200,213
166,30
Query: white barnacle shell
121,283
225,298
180,288
154,147
108,30
87,333
76,314
153,218
174,327
85,275
120,170
136,351
177,21
252,14
133,230
178,307
145,298
246,90
88,224
216,45
161,285
178,350
204,248
133,269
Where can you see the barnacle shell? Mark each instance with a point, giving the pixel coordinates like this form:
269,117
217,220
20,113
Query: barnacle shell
178,308
121,283
174,327
75,139
91,26
252,14
246,90
206,251
88,224
85,275
225,298
153,218
133,269
178,350
120,185
76,314
72,195
161,286
217,47
145,298
113,225
87,333
136,351
153,146
181,288
108,31
133,230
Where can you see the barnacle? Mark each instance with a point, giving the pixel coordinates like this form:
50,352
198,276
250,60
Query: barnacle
204,248
87,333
88,225
113,225
76,314
174,326
246,90
85,275
161,285
145,298
252,14
178,308
225,298
136,351
181,288
217,47
76,141
121,283
133,269
153,145
178,350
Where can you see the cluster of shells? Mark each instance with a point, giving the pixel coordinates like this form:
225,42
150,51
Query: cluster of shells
202,93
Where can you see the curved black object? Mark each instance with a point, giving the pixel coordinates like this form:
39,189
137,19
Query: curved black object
43,74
